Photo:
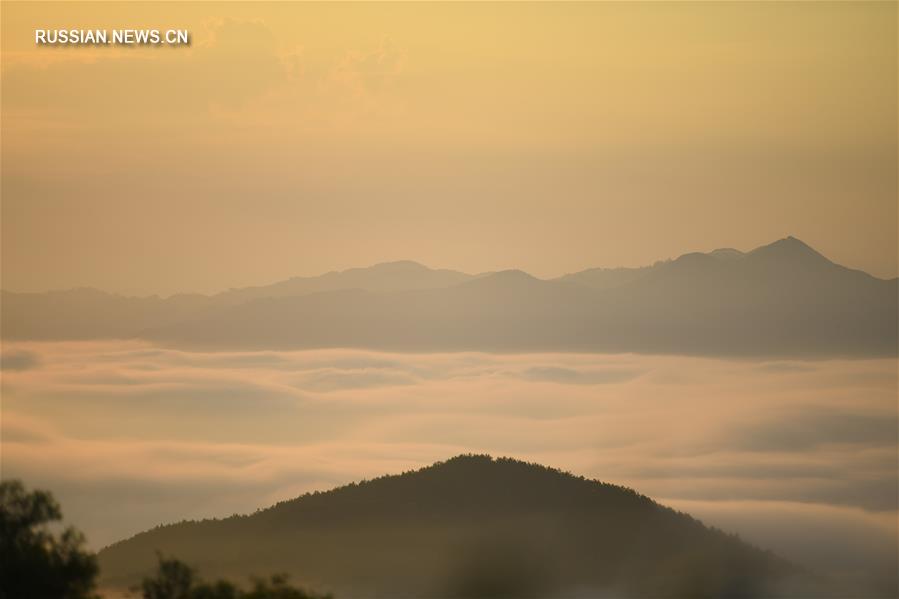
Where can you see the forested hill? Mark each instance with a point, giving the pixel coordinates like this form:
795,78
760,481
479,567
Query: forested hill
472,526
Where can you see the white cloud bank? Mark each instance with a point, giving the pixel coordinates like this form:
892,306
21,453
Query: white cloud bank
799,457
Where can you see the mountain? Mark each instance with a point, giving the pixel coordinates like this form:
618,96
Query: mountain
609,278
387,277
505,311
782,299
472,526
92,314
605,278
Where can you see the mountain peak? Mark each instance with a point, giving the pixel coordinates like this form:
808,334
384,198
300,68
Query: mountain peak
788,248
790,243
508,280
726,254
793,243
399,265
514,274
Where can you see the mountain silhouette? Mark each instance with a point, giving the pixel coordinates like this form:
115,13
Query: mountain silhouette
605,278
472,526
385,277
88,313
781,299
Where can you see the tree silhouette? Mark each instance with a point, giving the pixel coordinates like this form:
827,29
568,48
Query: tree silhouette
176,580
173,580
35,562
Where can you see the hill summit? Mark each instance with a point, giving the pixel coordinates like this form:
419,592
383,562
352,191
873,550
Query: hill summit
472,526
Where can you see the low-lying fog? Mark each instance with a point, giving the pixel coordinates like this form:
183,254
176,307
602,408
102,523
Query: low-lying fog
798,457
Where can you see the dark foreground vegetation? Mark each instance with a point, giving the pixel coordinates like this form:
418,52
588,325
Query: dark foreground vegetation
36,563
472,526
177,580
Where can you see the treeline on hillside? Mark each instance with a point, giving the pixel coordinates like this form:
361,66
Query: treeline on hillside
473,526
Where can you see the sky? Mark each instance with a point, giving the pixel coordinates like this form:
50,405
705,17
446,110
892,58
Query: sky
799,457
296,138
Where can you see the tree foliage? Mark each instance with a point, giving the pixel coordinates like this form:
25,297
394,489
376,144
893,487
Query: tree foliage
36,563
176,580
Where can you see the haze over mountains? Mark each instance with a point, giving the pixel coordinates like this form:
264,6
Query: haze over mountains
781,299
471,527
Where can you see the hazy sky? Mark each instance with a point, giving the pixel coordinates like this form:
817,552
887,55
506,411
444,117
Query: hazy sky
298,138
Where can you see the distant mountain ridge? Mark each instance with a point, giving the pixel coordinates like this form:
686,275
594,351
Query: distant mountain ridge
783,298
472,526
385,277
87,313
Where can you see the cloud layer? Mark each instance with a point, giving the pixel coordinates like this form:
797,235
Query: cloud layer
797,456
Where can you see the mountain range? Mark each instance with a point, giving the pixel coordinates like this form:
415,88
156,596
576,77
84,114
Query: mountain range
780,299
472,526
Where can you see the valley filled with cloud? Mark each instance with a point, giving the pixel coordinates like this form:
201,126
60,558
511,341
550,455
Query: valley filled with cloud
797,456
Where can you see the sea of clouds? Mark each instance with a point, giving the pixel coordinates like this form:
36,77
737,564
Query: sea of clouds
796,456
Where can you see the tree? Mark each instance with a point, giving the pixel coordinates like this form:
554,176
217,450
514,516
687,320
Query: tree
176,580
36,563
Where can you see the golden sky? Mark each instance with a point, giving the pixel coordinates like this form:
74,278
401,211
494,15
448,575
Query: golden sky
295,138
